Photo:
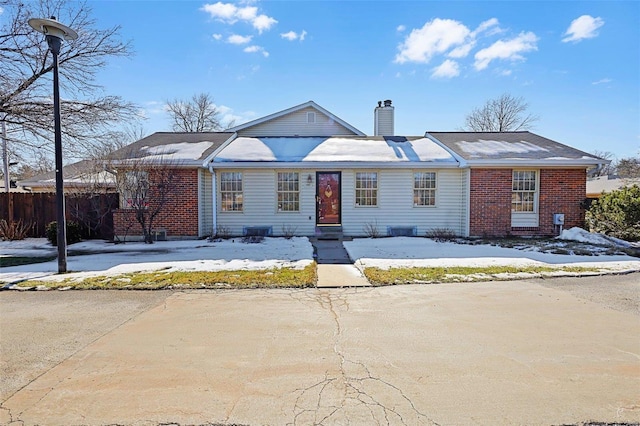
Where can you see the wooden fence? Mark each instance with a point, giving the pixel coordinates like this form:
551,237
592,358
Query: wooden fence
94,212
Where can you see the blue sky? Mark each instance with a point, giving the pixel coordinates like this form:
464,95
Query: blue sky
576,63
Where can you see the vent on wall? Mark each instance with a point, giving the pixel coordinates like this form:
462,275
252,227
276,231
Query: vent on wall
257,231
311,117
402,231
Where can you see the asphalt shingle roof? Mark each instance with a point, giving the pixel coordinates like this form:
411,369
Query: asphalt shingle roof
158,140
508,146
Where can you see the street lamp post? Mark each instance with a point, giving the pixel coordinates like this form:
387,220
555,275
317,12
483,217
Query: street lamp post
55,32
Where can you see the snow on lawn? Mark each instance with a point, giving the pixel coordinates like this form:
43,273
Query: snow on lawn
97,257
579,234
422,252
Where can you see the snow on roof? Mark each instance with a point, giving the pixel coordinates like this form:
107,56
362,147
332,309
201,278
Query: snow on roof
176,151
490,147
333,149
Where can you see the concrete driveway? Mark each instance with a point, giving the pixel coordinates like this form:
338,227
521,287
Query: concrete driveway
482,353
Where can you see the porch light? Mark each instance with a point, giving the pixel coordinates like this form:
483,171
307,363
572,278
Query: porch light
55,32
309,180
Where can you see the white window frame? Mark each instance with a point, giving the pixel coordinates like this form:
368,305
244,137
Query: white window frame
294,192
237,179
434,190
133,191
521,184
311,117
372,190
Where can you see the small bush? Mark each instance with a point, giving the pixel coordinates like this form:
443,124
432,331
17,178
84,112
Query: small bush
223,232
74,233
13,230
441,234
289,231
617,214
371,229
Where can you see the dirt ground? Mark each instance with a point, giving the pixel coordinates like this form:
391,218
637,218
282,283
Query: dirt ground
559,351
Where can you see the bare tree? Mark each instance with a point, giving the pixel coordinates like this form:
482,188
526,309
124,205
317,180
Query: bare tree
145,189
26,104
606,169
502,114
198,114
628,168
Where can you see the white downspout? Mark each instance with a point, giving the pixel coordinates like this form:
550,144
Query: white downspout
214,199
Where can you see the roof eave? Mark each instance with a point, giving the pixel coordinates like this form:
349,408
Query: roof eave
534,163
333,165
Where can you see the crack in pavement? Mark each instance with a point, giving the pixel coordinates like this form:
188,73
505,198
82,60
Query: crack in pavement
353,392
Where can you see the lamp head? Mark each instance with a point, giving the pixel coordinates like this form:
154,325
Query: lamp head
51,27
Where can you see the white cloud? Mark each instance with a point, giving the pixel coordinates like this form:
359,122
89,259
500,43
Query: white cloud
486,25
506,50
583,27
217,36
292,35
602,81
462,51
448,69
263,22
230,14
401,28
1,10
435,37
256,49
506,73
238,39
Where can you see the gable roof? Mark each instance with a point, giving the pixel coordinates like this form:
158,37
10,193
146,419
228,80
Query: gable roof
293,109
351,151
182,148
511,148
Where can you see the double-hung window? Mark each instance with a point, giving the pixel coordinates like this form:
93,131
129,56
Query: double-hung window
231,191
288,192
135,188
524,190
366,189
424,189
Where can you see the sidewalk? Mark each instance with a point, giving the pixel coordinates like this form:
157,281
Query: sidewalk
335,268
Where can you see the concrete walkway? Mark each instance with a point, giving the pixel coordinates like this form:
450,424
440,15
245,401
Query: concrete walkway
335,268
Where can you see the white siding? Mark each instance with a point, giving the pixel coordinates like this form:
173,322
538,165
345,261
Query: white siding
521,220
295,124
259,205
205,203
395,203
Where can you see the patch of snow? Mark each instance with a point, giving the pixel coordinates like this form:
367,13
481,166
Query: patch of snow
176,151
581,235
332,149
488,147
388,253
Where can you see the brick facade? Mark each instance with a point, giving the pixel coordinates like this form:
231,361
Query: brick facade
561,191
179,216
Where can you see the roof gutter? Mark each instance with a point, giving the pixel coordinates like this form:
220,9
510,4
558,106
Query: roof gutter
330,165
567,162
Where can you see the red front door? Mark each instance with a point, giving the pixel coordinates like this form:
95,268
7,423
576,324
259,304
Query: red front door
328,198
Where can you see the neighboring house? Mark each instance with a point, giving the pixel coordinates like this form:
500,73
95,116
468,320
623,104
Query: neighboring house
602,184
81,177
304,171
